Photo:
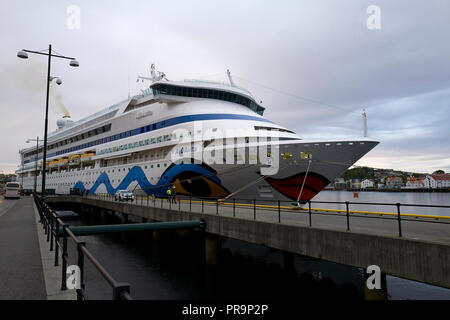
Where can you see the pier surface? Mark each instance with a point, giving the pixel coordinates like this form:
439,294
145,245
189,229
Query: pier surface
21,270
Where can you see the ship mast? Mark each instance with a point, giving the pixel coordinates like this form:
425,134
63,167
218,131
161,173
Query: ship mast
364,115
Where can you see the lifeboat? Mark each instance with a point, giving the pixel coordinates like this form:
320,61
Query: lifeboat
87,156
63,161
74,159
53,163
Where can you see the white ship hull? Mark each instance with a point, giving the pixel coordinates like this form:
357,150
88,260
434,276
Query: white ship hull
132,145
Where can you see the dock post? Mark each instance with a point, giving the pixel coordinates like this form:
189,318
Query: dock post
212,247
289,262
376,294
124,218
102,215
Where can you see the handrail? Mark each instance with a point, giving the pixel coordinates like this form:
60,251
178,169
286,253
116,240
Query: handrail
52,223
279,208
291,208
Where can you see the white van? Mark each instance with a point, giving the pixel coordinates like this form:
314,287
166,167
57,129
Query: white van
12,190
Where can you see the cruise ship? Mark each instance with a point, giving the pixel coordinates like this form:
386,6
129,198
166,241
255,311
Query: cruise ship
208,139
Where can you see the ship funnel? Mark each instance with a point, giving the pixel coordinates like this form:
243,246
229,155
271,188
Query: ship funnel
65,122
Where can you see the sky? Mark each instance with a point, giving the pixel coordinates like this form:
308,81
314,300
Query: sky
315,65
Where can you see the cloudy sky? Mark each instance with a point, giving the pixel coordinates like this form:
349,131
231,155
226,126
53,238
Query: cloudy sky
314,64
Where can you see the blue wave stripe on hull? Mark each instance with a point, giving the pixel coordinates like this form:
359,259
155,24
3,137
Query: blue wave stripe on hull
137,174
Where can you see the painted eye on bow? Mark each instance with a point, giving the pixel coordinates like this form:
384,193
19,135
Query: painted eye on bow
192,184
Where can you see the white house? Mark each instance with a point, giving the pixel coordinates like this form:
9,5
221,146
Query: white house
367,183
415,183
437,181
394,182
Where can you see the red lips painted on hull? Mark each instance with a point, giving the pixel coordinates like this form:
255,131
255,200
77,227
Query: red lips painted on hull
290,186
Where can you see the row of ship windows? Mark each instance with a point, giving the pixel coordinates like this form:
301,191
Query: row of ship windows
137,144
308,154
108,171
207,93
126,134
91,133
112,181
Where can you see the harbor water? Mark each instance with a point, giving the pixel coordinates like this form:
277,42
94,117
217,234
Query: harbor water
417,198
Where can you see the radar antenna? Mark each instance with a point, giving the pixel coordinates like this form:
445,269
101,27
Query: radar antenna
155,75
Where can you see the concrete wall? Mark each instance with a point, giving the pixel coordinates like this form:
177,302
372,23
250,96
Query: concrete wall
411,259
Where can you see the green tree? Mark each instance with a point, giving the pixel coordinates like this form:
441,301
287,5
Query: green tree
358,173
439,172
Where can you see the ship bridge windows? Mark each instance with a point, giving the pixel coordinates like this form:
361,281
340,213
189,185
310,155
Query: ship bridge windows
207,93
273,129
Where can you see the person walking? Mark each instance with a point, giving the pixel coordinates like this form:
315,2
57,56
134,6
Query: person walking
169,193
174,194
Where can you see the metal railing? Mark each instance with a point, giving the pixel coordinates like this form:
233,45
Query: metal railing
279,207
52,225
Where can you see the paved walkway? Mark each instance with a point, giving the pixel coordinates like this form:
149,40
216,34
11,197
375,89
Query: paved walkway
21,271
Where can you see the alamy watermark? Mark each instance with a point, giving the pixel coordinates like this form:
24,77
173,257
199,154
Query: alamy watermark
374,20
73,21
234,146
73,280
374,280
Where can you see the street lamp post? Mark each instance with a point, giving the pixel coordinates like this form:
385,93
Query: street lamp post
21,173
73,63
36,158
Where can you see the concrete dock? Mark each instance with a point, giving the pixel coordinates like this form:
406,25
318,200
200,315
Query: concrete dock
422,254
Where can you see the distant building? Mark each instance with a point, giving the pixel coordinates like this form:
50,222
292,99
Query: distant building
437,181
415,183
394,182
354,184
329,186
381,186
367,183
339,184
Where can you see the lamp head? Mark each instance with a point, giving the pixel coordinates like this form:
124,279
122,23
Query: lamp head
74,63
22,54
